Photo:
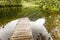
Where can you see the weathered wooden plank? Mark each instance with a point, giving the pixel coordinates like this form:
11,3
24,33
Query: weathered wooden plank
22,31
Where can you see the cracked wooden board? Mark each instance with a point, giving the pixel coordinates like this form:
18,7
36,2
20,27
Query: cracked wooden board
22,30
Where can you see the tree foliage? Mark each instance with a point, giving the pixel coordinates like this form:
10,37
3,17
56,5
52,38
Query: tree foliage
34,9
49,9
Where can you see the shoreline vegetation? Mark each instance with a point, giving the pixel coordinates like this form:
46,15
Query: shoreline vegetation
33,9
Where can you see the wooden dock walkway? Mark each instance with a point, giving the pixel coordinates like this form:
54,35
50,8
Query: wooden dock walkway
22,31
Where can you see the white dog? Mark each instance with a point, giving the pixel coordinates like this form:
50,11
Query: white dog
38,28
7,31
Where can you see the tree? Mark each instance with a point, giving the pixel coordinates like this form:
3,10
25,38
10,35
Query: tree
50,9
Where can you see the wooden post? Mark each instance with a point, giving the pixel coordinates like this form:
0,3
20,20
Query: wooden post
22,30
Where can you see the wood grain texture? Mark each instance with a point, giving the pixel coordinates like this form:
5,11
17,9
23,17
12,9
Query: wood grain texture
22,31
